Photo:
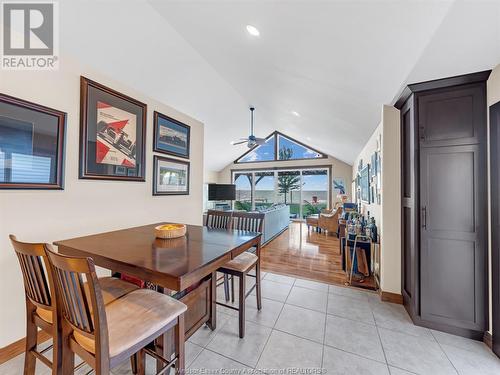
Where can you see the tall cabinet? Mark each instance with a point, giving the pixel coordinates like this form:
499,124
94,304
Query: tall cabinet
444,203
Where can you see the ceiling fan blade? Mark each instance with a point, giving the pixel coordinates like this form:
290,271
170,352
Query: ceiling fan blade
260,141
234,143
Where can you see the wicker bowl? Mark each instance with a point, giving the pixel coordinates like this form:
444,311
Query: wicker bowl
170,230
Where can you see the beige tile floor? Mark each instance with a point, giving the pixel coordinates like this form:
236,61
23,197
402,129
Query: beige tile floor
342,331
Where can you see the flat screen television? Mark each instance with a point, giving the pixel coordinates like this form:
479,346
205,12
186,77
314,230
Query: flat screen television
221,192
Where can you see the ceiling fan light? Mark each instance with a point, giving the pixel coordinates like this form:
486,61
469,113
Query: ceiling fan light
252,30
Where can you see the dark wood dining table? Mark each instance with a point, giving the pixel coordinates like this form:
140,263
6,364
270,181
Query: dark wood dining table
187,264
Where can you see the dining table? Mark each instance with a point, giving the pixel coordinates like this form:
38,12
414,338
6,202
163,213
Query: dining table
185,266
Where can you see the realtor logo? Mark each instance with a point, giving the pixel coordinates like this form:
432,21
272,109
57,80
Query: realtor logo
30,36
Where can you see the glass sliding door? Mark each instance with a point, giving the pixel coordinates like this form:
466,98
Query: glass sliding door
264,196
243,182
288,185
315,191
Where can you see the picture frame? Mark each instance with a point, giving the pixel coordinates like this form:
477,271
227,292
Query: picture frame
170,176
171,136
339,185
32,145
364,184
112,134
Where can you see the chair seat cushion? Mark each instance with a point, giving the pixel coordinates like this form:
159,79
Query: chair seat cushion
111,289
242,262
133,318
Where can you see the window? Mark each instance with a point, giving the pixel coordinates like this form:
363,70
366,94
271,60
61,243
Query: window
263,152
279,147
243,182
305,191
289,150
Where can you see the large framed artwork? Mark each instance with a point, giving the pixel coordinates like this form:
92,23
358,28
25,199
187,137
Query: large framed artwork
364,184
31,145
171,136
170,176
112,134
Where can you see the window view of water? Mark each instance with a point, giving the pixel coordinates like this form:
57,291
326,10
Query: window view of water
305,191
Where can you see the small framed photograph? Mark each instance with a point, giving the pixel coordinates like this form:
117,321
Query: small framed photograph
31,145
171,136
112,134
170,176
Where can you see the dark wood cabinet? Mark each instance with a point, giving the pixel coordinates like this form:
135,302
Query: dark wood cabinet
444,203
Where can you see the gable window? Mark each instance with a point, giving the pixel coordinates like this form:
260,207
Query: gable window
279,147
263,152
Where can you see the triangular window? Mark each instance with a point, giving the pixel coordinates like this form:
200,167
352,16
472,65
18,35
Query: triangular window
265,152
280,147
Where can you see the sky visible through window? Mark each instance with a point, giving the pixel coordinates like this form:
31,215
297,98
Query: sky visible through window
293,150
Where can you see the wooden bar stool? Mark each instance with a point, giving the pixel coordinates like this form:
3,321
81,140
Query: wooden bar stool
221,220
241,265
105,335
41,309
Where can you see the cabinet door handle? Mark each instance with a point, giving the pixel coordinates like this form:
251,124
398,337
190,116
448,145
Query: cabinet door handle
424,217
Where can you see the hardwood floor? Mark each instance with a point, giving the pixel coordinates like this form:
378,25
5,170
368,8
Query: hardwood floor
313,256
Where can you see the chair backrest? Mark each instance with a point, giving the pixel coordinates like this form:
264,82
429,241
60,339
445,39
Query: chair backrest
35,269
219,219
82,309
249,221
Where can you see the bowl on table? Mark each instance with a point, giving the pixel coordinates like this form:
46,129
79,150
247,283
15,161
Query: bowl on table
170,230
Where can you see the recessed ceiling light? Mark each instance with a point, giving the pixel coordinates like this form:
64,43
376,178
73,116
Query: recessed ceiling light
296,114
252,30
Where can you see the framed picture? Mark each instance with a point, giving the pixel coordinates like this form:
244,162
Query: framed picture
170,176
364,183
339,185
31,145
374,164
171,136
112,134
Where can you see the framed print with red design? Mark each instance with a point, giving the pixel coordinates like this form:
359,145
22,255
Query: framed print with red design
112,134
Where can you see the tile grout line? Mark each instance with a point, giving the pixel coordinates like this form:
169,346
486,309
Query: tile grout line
324,331
272,328
444,352
380,338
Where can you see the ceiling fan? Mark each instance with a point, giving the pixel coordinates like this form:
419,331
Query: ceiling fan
251,140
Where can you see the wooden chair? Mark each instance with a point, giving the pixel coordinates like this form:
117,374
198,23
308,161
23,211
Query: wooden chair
243,264
41,311
105,335
219,219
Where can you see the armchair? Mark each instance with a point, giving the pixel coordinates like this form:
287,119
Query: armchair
329,220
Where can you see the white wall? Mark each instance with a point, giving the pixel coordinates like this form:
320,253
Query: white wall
390,254
388,214
84,206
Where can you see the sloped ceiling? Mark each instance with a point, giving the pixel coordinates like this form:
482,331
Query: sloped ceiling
334,62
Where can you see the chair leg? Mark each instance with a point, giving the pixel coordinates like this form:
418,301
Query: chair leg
140,358
232,288
133,363
226,286
258,291
242,304
31,343
180,366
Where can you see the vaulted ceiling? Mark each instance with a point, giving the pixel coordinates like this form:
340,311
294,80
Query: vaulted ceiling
335,63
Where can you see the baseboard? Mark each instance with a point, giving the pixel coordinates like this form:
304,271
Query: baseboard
391,297
488,339
13,350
